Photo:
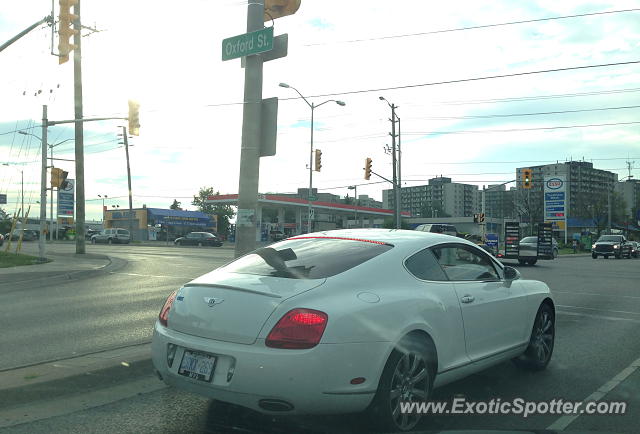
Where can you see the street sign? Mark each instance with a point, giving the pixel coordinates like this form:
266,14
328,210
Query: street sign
3,199
280,48
247,44
491,240
313,197
66,203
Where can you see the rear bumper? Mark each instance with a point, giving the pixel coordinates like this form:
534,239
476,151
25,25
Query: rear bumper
314,381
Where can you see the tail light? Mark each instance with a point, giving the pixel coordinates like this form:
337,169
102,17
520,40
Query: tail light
298,329
164,312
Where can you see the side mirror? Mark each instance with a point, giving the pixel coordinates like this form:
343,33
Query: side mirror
511,273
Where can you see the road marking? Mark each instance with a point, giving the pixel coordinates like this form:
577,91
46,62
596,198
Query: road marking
59,407
151,275
562,422
599,310
588,315
598,295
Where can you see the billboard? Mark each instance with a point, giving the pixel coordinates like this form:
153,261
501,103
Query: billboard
555,200
66,199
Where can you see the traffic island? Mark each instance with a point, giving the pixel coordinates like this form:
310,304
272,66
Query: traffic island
8,259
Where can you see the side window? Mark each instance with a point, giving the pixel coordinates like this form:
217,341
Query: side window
465,263
424,266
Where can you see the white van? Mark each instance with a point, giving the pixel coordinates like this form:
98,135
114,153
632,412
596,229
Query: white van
438,228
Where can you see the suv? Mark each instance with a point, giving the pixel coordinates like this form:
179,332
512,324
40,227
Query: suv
112,236
611,245
438,228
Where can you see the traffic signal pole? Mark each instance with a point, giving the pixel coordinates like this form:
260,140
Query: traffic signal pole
43,188
126,148
250,148
79,133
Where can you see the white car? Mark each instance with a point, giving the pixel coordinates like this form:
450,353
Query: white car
350,320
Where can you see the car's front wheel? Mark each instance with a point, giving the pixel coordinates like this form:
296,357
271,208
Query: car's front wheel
109,241
407,377
538,354
93,240
532,261
594,256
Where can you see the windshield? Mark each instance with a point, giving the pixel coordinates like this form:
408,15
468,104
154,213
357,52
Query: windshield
613,238
313,258
529,240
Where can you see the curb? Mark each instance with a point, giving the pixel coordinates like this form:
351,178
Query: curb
114,264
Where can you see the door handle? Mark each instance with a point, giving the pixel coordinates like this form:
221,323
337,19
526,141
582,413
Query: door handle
467,299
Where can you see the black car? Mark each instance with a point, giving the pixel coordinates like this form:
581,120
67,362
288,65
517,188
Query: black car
199,239
611,245
635,249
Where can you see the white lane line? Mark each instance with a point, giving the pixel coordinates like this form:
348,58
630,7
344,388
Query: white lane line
563,421
151,275
599,310
597,295
589,315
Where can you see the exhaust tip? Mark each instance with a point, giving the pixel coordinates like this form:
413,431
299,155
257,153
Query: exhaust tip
275,405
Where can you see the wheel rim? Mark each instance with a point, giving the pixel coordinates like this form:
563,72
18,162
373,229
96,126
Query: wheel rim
410,383
543,337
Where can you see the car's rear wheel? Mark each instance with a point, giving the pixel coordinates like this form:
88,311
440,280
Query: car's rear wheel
407,377
538,354
522,261
532,261
555,253
199,243
109,241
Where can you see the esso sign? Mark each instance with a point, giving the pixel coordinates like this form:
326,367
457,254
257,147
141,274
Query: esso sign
554,184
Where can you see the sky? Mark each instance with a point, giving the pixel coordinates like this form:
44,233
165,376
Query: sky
167,56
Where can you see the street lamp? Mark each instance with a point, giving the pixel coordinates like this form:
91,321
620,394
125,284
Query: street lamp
312,106
103,198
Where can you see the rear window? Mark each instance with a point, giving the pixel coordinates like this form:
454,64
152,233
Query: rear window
529,240
307,258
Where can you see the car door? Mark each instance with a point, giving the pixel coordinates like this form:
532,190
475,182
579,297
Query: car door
492,309
435,289
191,239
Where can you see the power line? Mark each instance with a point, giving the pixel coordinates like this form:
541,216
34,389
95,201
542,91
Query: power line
529,161
466,80
417,133
524,114
482,26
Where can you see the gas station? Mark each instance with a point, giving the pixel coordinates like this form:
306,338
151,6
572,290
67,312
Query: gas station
293,212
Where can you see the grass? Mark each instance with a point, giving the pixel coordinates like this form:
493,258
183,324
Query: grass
17,259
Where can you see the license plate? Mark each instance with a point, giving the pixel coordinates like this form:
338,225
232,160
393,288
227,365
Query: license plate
197,365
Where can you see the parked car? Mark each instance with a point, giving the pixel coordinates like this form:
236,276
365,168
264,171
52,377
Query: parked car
28,235
112,236
438,228
611,245
198,239
635,249
277,235
335,322
528,250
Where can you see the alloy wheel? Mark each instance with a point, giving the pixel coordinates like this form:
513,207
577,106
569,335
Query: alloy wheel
410,383
543,336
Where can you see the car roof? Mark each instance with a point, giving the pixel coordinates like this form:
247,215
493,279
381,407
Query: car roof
408,239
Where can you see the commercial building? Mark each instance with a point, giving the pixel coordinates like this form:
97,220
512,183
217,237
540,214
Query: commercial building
441,197
629,191
150,223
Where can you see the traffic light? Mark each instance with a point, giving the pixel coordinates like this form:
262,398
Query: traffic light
526,178
65,30
59,178
279,8
134,118
367,168
55,177
318,164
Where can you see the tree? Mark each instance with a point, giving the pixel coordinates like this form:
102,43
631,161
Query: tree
5,222
389,223
222,212
176,205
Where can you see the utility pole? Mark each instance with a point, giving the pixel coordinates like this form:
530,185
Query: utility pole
250,148
126,148
484,227
394,150
43,187
79,133
609,210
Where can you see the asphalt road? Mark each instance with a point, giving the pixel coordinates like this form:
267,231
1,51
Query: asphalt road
108,311
598,325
